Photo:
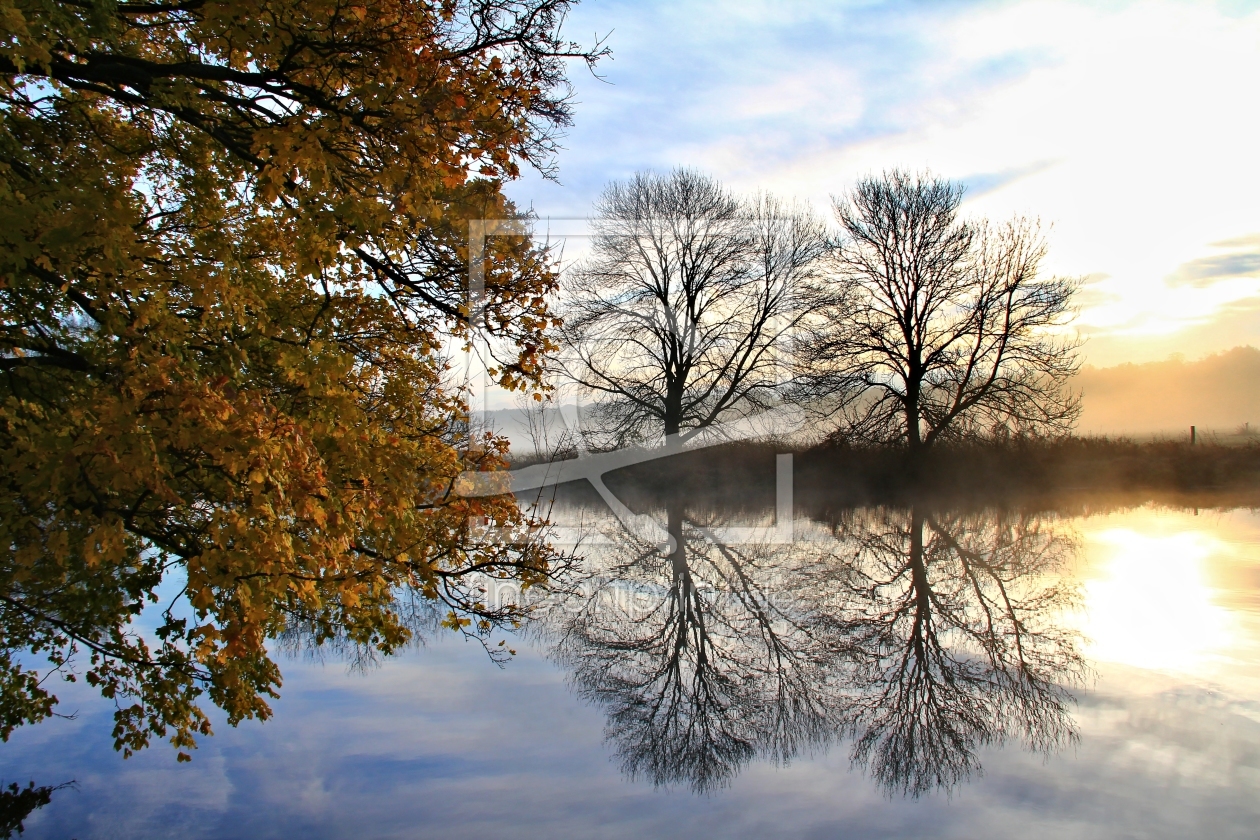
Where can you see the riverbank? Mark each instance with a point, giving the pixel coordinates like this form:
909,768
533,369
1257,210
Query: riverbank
1087,471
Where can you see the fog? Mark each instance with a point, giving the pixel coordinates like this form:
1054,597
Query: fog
1218,394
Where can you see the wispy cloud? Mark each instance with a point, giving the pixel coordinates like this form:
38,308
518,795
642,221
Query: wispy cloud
987,182
441,743
1206,271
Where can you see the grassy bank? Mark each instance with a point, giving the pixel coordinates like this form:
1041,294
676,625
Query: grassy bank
1073,471
994,472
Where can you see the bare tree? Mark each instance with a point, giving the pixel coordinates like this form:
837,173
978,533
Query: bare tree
677,319
923,636
699,660
957,616
549,435
934,327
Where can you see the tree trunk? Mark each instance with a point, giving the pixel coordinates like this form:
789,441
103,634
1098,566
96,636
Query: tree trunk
919,575
673,409
914,438
674,513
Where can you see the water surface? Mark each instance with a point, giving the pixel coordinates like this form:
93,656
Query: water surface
900,671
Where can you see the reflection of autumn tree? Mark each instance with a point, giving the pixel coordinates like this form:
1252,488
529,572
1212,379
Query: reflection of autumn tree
17,803
695,658
923,637
469,600
954,618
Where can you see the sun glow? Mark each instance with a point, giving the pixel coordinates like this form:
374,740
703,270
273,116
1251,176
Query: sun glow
1150,603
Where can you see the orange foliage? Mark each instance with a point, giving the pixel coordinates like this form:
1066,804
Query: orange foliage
233,245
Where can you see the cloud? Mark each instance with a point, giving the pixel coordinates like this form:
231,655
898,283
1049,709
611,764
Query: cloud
1205,271
1252,241
1119,123
986,182
440,743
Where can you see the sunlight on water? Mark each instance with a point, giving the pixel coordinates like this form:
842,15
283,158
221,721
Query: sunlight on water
1152,606
1152,591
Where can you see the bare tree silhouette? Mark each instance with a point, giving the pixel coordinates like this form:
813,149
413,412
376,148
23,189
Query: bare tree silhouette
679,317
934,327
698,661
955,617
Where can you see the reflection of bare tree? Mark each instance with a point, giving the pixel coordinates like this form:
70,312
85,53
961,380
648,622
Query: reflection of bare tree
697,662
923,637
954,616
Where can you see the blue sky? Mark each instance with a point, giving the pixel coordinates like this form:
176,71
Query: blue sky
1126,126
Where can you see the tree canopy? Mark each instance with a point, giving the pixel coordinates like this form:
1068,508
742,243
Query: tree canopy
233,249
935,326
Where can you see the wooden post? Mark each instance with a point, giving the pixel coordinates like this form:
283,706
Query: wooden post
1192,435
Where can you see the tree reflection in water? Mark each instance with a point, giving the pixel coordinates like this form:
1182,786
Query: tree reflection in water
699,662
921,636
954,618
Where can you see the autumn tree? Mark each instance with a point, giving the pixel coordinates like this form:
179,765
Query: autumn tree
678,318
17,803
233,248
936,327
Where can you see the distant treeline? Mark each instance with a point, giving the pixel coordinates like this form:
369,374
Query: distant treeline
1027,470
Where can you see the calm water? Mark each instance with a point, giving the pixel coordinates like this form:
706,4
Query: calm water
881,672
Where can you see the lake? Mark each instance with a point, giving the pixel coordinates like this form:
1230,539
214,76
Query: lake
1088,668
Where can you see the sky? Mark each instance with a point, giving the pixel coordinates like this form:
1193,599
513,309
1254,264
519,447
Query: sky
1128,128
